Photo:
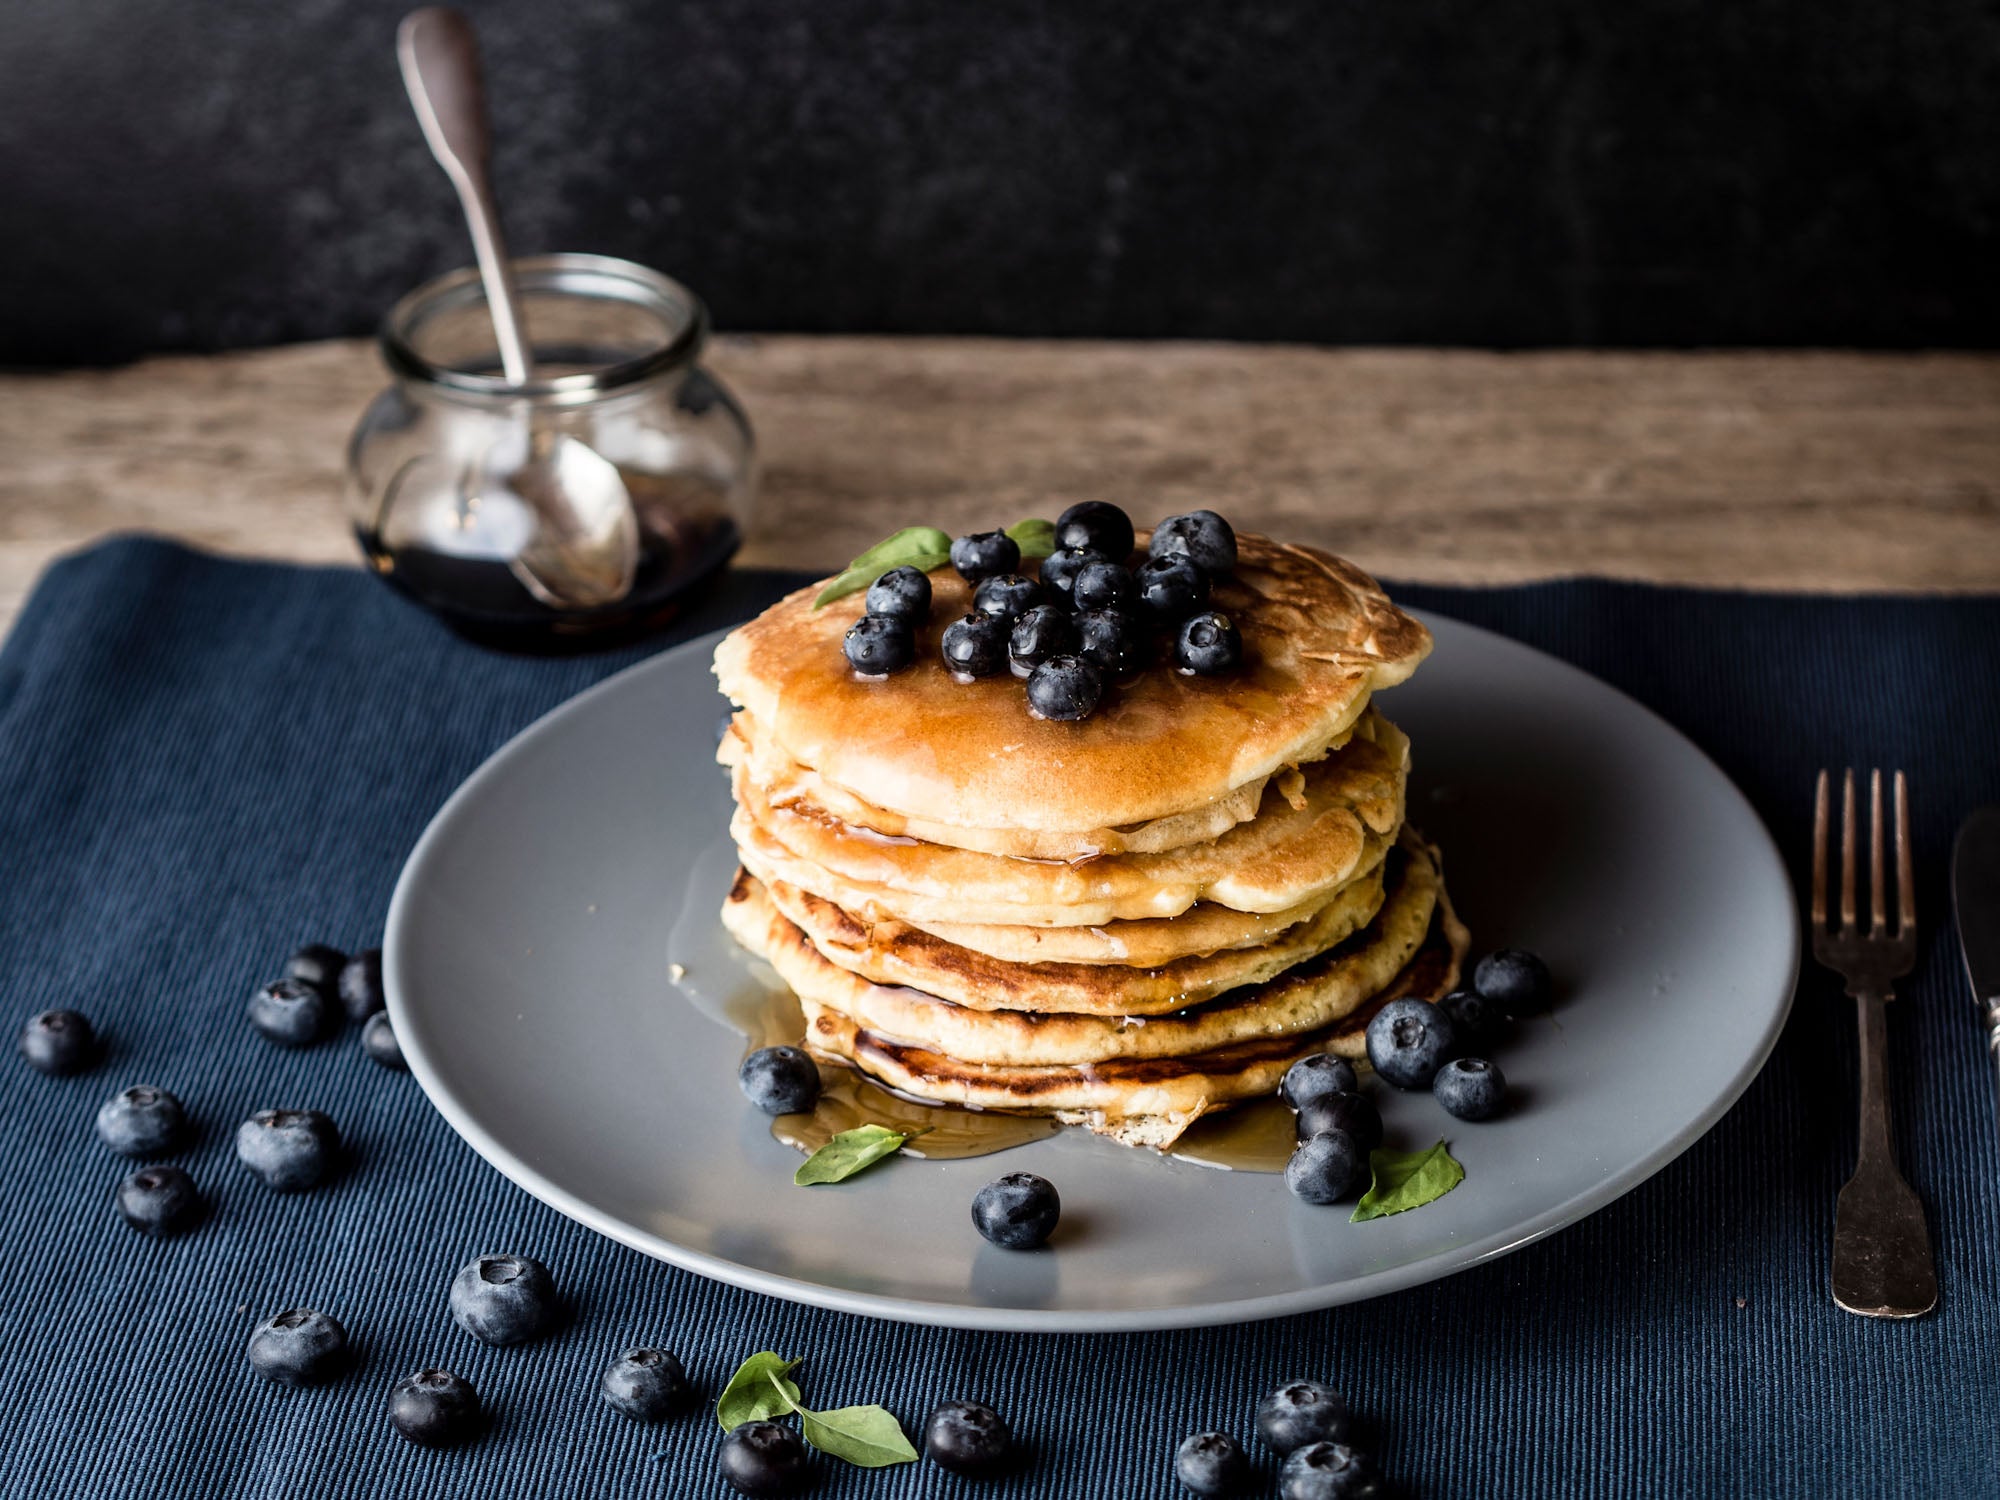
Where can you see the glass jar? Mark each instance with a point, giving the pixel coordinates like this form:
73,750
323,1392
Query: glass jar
616,350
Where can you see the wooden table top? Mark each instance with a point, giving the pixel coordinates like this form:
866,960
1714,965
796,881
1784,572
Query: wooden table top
1823,471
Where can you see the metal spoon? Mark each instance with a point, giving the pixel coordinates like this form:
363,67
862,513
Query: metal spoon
585,549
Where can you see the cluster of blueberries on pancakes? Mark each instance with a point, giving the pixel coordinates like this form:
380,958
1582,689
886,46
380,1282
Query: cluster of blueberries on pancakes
1095,616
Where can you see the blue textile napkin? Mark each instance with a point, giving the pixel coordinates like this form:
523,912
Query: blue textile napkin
204,764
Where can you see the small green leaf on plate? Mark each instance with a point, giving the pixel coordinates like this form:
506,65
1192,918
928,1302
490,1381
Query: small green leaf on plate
864,1435
1037,538
760,1389
849,1152
1406,1180
922,547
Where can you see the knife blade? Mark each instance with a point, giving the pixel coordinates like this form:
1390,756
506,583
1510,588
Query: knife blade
1975,904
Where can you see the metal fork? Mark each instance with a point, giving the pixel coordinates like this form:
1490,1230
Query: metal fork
1882,1264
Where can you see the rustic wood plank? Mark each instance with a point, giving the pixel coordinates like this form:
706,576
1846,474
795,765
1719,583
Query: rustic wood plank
1790,471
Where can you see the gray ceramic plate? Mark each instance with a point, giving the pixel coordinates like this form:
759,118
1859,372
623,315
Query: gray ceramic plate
527,965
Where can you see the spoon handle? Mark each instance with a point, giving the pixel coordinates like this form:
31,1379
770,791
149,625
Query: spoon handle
440,60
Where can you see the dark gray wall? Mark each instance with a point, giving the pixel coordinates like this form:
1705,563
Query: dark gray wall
211,173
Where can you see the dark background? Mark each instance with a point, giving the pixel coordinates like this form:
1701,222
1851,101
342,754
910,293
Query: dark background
213,173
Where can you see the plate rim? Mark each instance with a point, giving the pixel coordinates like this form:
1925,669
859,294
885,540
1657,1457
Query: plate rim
397,935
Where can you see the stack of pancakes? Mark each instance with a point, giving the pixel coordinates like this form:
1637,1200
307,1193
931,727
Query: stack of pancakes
1125,922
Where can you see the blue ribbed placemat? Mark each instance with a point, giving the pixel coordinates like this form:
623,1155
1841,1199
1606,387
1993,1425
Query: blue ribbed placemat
204,764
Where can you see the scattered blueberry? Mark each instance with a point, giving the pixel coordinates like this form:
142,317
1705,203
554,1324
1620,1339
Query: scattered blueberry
1208,645
1201,536
1059,569
297,1347
975,646
1115,641
877,645
1103,585
1212,1463
58,1042
378,1040
290,1150
1018,1211
141,1121
1471,1088
434,1407
1008,595
1314,1077
1065,688
762,1458
1475,1020
1041,633
780,1080
317,965
289,1012
968,1438
647,1385
902,594
1097,525
1304,1412
1514,980
1328,1471
1351,1113
1408,1041
503,1299
1325,1167
1170,588
159,1200
985,554
360,985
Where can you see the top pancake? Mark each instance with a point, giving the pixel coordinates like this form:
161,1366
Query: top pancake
1318,637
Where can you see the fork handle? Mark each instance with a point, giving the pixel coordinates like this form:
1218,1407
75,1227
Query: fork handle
1872,1013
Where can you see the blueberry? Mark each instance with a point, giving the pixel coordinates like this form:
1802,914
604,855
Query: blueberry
378,1040
1096,525
1103,585
1170,588
1408,1041
1115,641
1212,1463
1515,981
1352,1114
1314,1077
1470,1088
762,1458
1008,595
968,1438
1328,1471
1475,1020
1201,536
1018,1211
985,554
317,965
1325,1167
360,985
647,1385
902,594
503,1299
142,1121
289,1012
780,1080
975,646
1304,1412
1208,644
877,645
159,1200
1065,688
297,1347
1041,633
289,1149
1059,569
434,1407
58,1042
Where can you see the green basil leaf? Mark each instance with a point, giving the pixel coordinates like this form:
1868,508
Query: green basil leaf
760,1389
922,547
1404,1180
847,1153
1037,538
863,1435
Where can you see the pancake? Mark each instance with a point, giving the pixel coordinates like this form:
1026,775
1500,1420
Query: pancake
894,953
1319,637
1306,998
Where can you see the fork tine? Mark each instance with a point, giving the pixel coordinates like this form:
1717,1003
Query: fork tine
1906,917
1878,907
1847,852
1820,801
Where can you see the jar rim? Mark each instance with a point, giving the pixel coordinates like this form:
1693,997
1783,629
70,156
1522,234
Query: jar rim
602,277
